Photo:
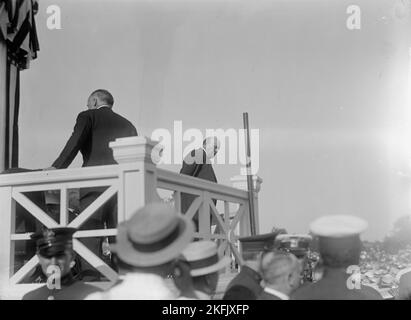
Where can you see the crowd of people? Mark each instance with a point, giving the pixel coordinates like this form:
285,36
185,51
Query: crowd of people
158,259
156,255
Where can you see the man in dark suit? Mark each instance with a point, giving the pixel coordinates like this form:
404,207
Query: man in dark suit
93,131
95,128
198,164
340,247
281,273
247,284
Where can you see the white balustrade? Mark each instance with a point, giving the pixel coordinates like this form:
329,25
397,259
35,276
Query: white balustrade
135,181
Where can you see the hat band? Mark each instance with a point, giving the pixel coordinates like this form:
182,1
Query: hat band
50,248
198,264
51,243
156,246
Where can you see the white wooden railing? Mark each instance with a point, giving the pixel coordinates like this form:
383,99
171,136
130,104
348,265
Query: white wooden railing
135,181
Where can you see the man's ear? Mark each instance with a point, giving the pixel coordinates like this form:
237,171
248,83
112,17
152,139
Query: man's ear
73,260
290,279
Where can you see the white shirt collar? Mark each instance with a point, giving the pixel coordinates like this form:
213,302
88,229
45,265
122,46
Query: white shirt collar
277,293
104,105
202,295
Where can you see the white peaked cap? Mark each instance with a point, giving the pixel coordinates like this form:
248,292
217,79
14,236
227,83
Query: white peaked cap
338,226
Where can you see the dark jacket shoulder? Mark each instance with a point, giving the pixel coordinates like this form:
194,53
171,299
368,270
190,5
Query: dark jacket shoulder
245,285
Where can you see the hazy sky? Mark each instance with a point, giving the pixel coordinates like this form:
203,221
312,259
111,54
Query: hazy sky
330,103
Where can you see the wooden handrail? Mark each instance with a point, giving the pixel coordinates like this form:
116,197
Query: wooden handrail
180,180
59,176
134,172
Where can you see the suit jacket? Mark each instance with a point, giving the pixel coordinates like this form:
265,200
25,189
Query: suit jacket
245,286
333,286
93,131
195,165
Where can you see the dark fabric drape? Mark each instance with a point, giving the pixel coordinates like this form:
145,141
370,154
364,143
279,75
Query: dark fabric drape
11,147
18,31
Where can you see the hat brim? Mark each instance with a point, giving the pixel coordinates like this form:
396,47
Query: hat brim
221,264
130,255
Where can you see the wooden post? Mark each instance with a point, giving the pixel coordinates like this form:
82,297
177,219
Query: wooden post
240,182
7,211
250,186
3,90
204,227
137,176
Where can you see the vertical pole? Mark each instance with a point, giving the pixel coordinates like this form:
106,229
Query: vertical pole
204,227
63,206
249,174
6,245
3,103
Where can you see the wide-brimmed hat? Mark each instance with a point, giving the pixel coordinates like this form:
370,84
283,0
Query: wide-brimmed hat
202,256
154,235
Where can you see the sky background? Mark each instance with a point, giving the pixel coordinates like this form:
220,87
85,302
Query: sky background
331,104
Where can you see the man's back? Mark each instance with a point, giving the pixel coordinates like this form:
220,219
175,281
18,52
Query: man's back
333,286
93,132
245,286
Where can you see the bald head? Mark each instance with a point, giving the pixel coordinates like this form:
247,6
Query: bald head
100,97
211,145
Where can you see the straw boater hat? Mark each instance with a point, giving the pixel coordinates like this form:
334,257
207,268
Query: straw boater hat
154,235
202,256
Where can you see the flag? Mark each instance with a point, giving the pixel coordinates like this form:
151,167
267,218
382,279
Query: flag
4,20
18,31
22,41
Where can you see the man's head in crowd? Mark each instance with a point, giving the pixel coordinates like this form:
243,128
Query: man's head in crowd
211,145
281,271
151,240
252,259
55,250
205,264
339,240
100,98
340,253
